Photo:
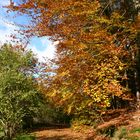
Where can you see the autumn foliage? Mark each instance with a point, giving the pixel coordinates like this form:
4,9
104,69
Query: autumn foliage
96,50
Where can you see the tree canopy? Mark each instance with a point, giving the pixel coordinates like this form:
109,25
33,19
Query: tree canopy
97,54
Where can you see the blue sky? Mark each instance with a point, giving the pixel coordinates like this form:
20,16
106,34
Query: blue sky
42,47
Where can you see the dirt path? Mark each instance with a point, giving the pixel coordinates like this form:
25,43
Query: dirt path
60,134
129,120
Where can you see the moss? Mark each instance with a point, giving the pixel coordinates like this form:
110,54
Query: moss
25,137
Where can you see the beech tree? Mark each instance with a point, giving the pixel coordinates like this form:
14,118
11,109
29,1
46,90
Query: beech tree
97,47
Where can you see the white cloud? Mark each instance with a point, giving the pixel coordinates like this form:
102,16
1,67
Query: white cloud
6,29
4,2
48,52
47,47
44,41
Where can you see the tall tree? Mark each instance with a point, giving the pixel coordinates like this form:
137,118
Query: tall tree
95,50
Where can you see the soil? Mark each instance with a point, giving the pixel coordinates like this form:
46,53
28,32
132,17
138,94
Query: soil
60,134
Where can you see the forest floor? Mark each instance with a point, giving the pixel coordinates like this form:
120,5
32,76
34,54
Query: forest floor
60,134
130,122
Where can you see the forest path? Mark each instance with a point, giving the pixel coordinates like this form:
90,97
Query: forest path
130,120
60,134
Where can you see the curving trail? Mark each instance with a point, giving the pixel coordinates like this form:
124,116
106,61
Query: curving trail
129,120
59,134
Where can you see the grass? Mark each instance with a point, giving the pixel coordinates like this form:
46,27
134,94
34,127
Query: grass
1,134
123,133
25,137
135,130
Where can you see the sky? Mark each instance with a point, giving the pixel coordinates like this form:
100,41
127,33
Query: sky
42,47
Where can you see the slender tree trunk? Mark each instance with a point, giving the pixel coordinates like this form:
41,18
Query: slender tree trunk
137,73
